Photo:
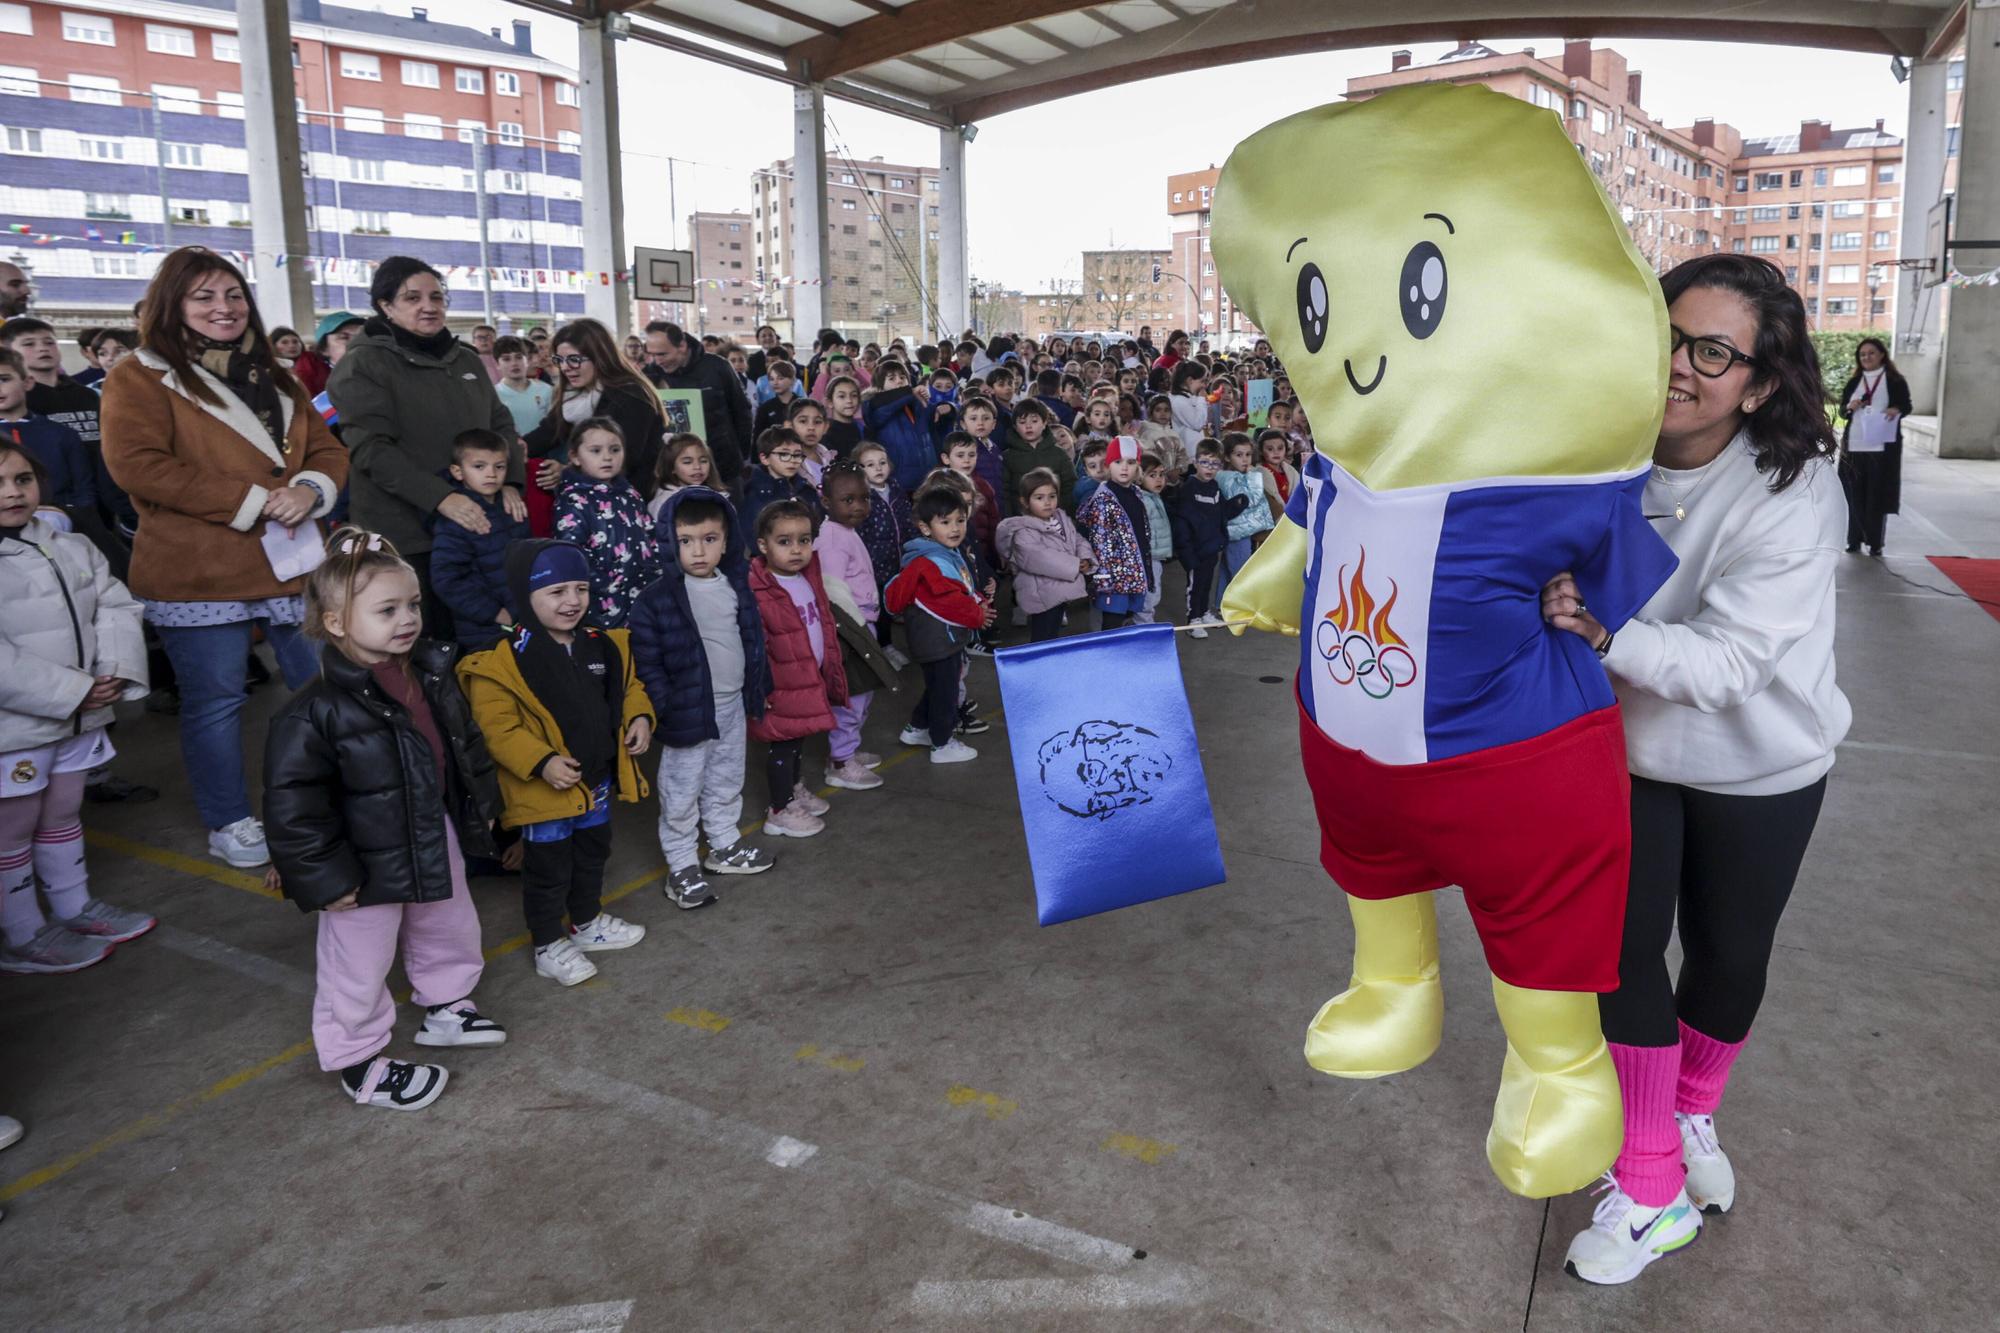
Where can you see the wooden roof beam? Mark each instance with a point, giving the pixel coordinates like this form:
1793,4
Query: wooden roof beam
917,26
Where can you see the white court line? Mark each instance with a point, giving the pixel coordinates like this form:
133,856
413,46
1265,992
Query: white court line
988,1297
282,976
1884,747
603,1317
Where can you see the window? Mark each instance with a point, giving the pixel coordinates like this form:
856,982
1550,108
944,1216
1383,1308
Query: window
1792,242
1850,175
1843,273
23,141
1812,275
420,74
169,41
1845,240
1878,305
366,169
193,214
226,47
370,220
114,206
847,205
1954,76
1738,246
1851,208
1763,245
510,132
470,131
1885,208
187,155
423,127
1598,123
1812,305
1791,273
1885,175
93,88
566,94
114,266
1883,240
17,19
177,98
229,105
469,80
90,29
19,81
506,83
1770,180
1769,213
514,182
1798,178
1951,141
1814,240
1843,305
361,119
569,141
1740,182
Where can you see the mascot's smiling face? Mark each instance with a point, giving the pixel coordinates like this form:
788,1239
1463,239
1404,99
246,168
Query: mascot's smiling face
1450,290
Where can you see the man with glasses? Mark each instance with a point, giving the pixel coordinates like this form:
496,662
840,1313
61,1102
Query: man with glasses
675,359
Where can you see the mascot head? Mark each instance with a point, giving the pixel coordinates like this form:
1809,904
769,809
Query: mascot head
1451,292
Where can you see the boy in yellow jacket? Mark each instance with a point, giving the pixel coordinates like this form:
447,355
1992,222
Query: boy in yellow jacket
566,721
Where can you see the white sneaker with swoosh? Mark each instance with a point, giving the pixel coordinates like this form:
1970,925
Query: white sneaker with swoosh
1711,1180
1624,1235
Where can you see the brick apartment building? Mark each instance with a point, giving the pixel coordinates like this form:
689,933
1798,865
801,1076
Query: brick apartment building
882,221
116,124
1199,303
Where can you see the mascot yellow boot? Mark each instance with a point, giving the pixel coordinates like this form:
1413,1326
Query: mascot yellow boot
1483,356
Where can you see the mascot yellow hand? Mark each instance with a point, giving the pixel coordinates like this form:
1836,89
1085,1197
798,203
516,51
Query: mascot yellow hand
1455,301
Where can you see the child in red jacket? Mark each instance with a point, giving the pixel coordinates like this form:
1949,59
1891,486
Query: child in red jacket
942,609
803,649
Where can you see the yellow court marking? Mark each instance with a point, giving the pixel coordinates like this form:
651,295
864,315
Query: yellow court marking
699,1019
1149,1151
186,865
996,1107
839,1063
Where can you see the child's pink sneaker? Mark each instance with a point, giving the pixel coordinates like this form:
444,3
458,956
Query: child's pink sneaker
806,801
866,759
792,822
853,775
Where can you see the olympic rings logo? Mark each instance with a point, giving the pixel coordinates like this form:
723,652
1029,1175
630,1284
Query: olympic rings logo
1353,659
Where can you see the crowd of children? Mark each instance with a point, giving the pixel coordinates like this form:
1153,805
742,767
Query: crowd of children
902,503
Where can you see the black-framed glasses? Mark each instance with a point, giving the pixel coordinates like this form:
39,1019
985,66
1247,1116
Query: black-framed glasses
573,361
1711,358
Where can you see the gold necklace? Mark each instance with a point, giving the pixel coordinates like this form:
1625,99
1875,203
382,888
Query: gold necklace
1680,498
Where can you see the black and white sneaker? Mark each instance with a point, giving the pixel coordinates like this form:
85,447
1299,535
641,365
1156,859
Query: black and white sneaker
687,890
459,1025
740,858
402,1087
979,648
969,721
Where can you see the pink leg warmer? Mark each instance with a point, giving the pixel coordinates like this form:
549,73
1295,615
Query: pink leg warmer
1705,1066
1649,1166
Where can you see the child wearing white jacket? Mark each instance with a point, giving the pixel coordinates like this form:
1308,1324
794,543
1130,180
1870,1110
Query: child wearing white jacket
70,647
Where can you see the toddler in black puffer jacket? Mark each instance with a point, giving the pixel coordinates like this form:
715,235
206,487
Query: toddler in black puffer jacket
375,777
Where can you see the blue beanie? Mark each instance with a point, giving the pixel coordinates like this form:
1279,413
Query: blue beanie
558,562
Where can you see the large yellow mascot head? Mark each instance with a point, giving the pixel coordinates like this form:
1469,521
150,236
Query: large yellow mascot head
1451,291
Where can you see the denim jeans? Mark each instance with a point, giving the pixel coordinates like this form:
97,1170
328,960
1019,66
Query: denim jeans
1234,557
209,662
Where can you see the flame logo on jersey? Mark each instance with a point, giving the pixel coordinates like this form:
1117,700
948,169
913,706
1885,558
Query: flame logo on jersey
1356,641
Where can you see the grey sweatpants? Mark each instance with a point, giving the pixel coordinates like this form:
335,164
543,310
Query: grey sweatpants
701,788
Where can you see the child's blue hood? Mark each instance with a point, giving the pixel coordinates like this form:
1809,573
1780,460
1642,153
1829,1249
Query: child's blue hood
734,561
949,562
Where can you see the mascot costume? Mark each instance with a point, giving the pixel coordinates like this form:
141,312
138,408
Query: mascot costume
1484,358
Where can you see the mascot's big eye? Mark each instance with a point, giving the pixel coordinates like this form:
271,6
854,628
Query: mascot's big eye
1312,306
1423,289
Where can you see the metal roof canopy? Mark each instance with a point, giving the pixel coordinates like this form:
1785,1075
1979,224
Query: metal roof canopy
954,62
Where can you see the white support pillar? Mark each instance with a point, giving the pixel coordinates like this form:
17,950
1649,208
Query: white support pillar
1969,411
279,234
1918,306
603,180
807,242
954,282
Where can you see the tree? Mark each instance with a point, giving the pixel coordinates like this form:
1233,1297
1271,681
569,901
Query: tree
1120,281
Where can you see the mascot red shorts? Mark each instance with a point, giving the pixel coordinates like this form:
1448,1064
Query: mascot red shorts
1537,833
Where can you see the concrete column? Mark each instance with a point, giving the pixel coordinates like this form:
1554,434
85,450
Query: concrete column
954,281
807,242
1918,306
279,230
603,180
1969,411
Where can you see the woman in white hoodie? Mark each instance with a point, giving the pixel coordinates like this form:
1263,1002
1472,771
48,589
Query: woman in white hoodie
1731,715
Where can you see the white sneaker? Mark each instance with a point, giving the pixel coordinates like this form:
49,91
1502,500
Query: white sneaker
459,1025
953,751
11,1131
604,932
1211,618
852,775
113,925
1195,630
897,657
1711,1181
866,758
792,822
739,858
402,1087
241,844
1624,1236
809,802
915,736
564,962
52,950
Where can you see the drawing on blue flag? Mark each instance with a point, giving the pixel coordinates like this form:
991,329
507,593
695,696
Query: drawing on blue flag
1099,768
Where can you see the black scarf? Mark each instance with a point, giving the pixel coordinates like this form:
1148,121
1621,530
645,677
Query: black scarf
248,375
581,684
438,345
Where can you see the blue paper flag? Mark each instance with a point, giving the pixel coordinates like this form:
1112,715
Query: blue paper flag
1112,793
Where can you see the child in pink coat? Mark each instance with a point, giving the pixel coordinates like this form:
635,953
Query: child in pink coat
1048,555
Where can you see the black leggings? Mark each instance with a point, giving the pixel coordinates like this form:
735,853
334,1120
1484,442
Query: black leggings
567,875
937,710
1044,625
1727,863
781,770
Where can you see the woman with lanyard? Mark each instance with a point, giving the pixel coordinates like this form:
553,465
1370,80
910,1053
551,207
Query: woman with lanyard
1731,717
1871,447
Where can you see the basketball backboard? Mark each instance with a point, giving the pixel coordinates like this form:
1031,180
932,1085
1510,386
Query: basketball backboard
662,275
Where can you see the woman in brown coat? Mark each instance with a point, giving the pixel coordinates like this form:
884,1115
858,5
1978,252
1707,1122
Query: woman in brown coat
224,458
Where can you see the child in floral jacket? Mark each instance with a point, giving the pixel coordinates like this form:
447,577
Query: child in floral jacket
1114,521
601,511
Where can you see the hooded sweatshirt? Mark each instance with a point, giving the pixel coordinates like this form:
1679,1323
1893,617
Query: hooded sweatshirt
580,683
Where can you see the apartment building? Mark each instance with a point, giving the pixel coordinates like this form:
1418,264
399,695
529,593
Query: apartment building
1196,295
882,231
121,136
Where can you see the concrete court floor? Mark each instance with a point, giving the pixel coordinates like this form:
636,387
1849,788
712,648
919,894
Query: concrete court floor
865,1091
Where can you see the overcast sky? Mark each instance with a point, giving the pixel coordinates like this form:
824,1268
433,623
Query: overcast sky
720,123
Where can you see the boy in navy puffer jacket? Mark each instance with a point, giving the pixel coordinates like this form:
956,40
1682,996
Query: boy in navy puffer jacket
899,418
469,569
1201,514
698,645
779,475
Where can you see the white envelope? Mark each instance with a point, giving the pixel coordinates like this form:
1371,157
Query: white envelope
293,552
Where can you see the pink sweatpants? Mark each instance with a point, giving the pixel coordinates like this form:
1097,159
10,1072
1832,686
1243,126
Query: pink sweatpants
353,1014
847,720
